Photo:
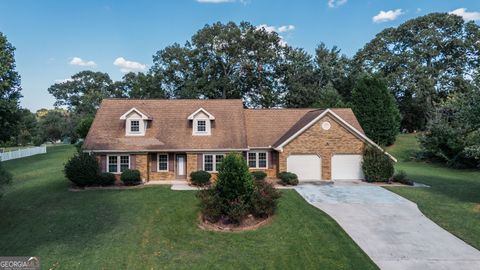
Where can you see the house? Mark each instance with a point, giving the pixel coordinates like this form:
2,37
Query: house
169,139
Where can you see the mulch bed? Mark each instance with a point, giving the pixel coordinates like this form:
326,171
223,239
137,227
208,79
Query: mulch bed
249,224
113,187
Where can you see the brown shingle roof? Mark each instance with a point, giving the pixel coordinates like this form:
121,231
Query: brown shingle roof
233,128
169,128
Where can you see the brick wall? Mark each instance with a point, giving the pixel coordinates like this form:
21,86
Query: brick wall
324,143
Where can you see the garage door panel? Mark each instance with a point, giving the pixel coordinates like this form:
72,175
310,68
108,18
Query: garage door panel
306,167
347,167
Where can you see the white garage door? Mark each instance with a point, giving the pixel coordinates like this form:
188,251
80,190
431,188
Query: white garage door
306,167
347,167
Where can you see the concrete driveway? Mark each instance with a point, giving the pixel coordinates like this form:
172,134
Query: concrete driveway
391,229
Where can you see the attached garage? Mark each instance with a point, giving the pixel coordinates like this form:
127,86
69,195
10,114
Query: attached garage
306,167
347,167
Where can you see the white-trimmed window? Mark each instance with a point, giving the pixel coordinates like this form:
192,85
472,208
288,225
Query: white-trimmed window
134,126
211,162
257,159
201,127
118,163
162,162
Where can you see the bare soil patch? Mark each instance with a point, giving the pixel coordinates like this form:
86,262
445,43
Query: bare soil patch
249,224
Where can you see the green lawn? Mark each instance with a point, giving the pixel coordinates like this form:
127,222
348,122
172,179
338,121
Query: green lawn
154,227
452,201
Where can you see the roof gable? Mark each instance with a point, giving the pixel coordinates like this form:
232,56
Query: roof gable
199,111
313,117
134,110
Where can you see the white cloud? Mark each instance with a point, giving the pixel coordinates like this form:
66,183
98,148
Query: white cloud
285,28
129,66
77,61
467,16
214,1
385,16
64,80
336,3
281,29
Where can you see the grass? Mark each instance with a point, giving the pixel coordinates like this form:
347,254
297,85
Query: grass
154,227
452,201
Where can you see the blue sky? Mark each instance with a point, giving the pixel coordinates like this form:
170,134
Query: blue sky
56,39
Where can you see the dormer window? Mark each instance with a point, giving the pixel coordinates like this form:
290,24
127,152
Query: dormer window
201,126
134,126
135,122
201,122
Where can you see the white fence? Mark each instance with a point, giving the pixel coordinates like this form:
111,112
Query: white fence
23,153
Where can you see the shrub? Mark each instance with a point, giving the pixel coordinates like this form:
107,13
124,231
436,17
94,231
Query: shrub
106,179
401,177
82,169
376,166
200,178
264,199
235,195
211,205
131,177
288,178
38,140
234,180
5,178
259,175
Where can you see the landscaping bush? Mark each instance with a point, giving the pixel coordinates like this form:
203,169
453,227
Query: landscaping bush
78,146
234,180
264,199
376,166
211,206
82,169
401,177
131,177
200,178
259,175
106,179
235,195
288,178
38,140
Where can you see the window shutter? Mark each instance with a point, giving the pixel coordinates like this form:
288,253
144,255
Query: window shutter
103,163
171,162
133,162
153,162
199,162
271,159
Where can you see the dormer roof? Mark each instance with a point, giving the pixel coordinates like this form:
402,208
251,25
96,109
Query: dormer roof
143,115
192,116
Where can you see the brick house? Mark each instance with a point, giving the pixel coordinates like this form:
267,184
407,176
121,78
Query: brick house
169,139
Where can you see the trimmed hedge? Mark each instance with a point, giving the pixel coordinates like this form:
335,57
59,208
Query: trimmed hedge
376,166
288,178
200,178
82,169
106,179
401,177
259,175
131,177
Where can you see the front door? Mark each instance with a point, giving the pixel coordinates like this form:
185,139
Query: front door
181,166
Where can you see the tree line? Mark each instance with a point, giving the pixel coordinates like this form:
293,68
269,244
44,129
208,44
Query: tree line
400,80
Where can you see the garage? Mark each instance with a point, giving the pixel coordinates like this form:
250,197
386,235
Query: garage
347,167
306,167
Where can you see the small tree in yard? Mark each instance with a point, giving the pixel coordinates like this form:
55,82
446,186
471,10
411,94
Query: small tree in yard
236,195
377,167
375,108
